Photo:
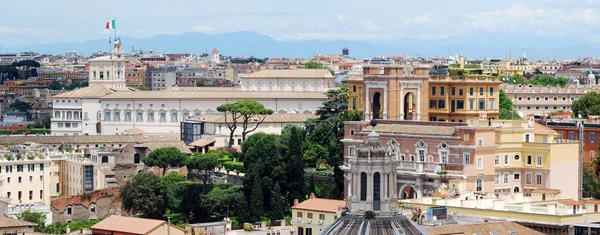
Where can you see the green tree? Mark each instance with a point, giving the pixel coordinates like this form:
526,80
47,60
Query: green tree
295,167
226,200
170,187
142,195
20,106
143,88
591,185
203,165
313,153
26,63
589,104
506,108
256,199
55,85
545,80
200,83
33,217
165,158
312,187
191,206
314,65
279,205
512,79
244,111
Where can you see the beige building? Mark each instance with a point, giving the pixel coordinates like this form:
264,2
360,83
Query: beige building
314,80
121,225
542,100
314,214
109,70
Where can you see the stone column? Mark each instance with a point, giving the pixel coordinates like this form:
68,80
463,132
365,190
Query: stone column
419,103
385,102
401,99
349,184
419,186
367,103
385,185
370,187
356,183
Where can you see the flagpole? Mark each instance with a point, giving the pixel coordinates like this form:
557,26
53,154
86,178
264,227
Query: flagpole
115,27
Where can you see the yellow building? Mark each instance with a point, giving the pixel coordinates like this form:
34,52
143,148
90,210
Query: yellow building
312,215
530,156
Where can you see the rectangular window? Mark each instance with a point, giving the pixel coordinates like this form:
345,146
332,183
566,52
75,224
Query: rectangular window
471,104
460,104
442,91
491,104
479,142
497,160
150,117
117,116
421,155
497,179
481,104
106,116
163,117
506,159
309,215
353,88
592,137
443,156
539,161
353,103
506,178
321,216
538,179
467,158
481,91
127,116
19,168
479,163
516,176
471,90
460,92
571,135
526,138
299,214
441,104
592,154
432,104
139,117
453,90
491,91
528,179
432,90
173,117
529,160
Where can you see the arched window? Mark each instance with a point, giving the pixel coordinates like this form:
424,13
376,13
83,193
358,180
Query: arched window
104,159
136,158
516,190
363,186
479,185
421,150
444,152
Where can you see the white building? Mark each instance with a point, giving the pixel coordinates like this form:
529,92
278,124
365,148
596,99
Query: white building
289,80
100,109
215,56
109,70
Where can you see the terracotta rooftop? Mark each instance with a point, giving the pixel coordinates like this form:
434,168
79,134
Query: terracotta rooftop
546,191
7,222
412,129
273,118
485,228
291,73
61,203
131,225
201,142
591,201
156,145
214,51
321,204
569,202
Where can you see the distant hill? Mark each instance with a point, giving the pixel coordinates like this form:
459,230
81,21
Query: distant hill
259,45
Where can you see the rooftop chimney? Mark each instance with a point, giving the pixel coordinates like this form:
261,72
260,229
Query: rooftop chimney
312,196
296,202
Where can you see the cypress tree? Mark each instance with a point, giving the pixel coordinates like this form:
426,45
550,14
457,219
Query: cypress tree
256,199
295,166
312,186
278,204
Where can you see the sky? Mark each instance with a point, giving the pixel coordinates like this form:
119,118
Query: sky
43,21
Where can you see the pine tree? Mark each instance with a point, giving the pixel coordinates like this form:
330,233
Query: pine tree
295,166
278,204
256,199
312,185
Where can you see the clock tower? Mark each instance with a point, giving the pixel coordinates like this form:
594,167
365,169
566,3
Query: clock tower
109,70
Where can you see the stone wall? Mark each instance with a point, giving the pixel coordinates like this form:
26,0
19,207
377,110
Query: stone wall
95,205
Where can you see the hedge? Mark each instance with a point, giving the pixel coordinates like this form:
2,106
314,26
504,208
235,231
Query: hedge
20,132
231,165
224,160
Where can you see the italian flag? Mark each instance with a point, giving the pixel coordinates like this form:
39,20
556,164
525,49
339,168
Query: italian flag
111,24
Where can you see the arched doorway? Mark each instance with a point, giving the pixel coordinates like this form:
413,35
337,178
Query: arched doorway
376,191
410,107
408,191
376,107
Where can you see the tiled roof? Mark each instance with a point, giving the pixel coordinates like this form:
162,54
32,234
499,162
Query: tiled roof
212,89
215,51
412,129
7,222
591,201
321,204
273,118
87,139
291,73
94,91
169,94
201,142
131,225
61,203
156,145
546,191
569,202
486,228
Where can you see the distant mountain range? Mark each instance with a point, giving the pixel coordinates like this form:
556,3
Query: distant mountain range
259,45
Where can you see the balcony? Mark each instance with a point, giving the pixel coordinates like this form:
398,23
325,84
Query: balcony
430,167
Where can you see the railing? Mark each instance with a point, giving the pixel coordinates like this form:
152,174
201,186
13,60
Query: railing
430,167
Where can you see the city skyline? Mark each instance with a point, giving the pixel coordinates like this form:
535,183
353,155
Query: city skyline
69,21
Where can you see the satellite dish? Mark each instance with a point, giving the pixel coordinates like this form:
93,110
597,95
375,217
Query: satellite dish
434,218
579,116
521,114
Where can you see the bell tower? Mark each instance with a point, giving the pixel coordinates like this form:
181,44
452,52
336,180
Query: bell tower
372,173
109,70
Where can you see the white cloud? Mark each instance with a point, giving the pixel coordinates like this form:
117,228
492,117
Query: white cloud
371,26
28,31
203,28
